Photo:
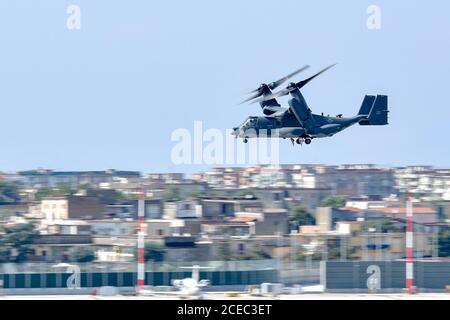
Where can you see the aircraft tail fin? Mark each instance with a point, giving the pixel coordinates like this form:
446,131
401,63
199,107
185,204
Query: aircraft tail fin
378,115
366,105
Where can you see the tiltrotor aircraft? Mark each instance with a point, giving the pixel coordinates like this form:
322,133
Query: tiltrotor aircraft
297,122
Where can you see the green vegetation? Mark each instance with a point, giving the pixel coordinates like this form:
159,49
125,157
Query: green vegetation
246,192
334,202
303,256
444,243
5,254
81,254
173,194
154,252
48,192
333,253
255,253
194,194
225,253
299,216
20,238
109,196
9,192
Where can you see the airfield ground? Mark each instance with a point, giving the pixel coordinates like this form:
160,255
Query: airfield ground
223,296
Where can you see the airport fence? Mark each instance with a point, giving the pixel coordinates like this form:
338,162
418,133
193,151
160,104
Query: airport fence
87,275
371,276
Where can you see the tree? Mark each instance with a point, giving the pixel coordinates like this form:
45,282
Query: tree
154,252
444,243
5,254
81,254
299,216
303,256
171,195
225,253
47,192
42,193
65,189
334,202
194,194
9,192
254,254
19,237
108,196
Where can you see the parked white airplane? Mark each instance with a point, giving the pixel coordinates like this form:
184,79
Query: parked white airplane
187,287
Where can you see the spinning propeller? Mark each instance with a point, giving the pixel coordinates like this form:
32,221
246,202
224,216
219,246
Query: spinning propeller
266,88
292,86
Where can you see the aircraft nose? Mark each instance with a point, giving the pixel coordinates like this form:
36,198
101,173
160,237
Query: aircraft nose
235,131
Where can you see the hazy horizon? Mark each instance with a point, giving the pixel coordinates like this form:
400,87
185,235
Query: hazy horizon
206,168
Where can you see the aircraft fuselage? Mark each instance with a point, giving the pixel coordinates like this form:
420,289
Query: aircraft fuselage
287,126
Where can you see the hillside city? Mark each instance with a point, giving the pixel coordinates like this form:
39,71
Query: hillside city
288,213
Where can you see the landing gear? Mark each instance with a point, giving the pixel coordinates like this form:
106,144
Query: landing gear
300,140
245,140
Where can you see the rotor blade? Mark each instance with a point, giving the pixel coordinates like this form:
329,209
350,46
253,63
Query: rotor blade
253,91
301,84
258,94
279,82
275,95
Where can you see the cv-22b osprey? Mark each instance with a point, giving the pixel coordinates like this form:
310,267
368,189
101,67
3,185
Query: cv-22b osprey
297,122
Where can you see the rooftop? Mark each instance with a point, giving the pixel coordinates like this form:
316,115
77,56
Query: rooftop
275,211
416,210
243,219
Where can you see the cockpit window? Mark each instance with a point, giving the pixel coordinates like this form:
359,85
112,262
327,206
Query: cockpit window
250,122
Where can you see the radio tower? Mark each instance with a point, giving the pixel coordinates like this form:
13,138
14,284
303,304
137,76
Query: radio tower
141,243
409,246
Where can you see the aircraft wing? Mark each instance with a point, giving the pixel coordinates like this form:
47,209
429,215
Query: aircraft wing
276,113
299,108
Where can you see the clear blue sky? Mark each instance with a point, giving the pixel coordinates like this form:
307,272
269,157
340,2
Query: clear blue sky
110,94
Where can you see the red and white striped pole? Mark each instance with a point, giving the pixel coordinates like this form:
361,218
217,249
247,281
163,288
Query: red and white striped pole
409,247
141,242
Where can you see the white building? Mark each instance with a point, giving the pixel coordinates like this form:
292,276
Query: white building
424,182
